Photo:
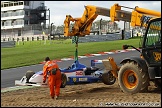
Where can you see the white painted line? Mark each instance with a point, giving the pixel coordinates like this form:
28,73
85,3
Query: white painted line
109,52
65,59
123,51
82,56
103,53
96,54
131,49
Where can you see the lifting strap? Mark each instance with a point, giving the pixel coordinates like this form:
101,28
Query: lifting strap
75,40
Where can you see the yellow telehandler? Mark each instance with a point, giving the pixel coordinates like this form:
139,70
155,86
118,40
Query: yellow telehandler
135,72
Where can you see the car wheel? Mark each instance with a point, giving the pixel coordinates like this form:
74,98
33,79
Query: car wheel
108,78
63,80
29,74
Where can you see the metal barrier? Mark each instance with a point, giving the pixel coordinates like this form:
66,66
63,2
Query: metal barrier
106,37
8,44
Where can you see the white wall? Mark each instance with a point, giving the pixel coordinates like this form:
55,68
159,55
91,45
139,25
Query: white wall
12,8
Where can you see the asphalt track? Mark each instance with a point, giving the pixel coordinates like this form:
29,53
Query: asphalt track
8,76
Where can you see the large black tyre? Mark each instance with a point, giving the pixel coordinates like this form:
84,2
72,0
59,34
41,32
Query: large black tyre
29,74
108,78
63,80
132,78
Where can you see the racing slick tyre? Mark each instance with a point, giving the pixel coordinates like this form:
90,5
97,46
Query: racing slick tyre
108,78
132,78
63,80
28,75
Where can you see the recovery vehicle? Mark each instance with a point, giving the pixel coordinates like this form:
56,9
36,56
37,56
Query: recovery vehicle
135,73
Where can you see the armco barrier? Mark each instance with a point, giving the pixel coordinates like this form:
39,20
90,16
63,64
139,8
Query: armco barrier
8,44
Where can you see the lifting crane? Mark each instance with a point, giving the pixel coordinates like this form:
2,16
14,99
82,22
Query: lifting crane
136,72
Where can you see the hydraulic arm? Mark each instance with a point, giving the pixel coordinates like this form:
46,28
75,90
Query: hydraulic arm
82,25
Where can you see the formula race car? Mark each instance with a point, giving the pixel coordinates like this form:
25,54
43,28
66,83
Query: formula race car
74,74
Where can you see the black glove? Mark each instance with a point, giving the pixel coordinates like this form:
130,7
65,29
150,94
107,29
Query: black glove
44,81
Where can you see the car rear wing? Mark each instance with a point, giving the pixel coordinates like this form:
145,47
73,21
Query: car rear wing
98,63
94,62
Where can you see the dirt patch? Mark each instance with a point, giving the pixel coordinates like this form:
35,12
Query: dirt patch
83,95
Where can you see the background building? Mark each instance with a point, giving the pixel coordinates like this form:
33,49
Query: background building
22,19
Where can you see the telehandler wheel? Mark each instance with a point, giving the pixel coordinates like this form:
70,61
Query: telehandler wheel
132,79
28,75
108,78
63,80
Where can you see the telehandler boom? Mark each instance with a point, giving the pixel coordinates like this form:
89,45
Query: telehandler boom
83,25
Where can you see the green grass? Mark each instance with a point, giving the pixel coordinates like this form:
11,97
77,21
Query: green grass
34,52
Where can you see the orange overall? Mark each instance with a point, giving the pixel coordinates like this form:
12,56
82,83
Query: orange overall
53,80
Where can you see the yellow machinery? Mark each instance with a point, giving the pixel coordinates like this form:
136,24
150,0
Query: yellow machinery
82,25
136,72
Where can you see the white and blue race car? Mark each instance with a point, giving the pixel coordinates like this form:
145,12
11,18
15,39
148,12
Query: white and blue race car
74,74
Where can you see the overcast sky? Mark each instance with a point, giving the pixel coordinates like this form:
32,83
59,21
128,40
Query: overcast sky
59,9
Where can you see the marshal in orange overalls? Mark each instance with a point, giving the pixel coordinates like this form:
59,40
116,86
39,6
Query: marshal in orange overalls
53,80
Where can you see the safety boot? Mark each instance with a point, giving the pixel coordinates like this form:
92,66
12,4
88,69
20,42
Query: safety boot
56,97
